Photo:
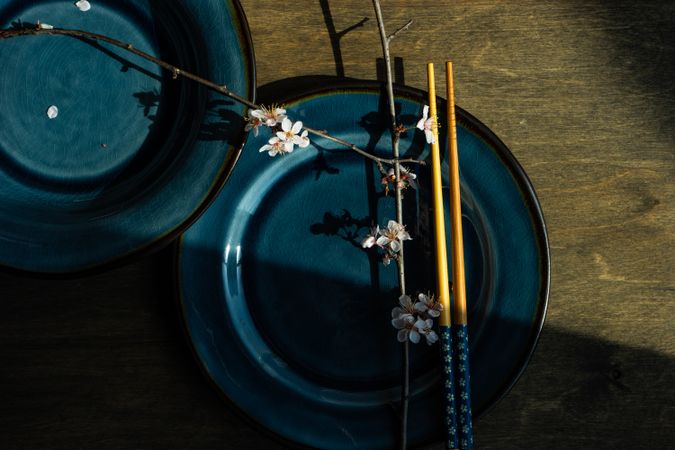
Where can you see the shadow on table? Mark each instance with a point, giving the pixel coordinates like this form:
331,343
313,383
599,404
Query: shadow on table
101,361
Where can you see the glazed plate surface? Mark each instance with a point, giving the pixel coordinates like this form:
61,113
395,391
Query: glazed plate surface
290,317
132,156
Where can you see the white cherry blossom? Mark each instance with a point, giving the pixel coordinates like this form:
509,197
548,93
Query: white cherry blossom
252,123
407,178
411,322
424,327
289,131
392,236
407,331
406,310
276,146
269,116
428,305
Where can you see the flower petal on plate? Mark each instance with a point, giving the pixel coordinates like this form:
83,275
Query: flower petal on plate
52,111
83,5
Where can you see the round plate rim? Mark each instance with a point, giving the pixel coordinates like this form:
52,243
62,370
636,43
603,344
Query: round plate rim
508,159
243,30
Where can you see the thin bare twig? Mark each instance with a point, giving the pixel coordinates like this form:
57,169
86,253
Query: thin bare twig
395,134
177,72
377,159
403,28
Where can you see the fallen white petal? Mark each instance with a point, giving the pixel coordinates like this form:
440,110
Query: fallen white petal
46,26
83,5
52,112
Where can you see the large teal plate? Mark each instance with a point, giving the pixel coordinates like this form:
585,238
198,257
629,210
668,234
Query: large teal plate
290,317
133,156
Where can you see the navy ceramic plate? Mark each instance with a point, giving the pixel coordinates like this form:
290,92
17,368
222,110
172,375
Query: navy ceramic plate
290,317
132,156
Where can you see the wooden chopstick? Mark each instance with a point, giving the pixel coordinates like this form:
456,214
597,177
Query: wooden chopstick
460,336
442,281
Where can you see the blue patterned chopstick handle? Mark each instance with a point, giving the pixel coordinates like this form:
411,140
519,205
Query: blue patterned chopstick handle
463,393
448,388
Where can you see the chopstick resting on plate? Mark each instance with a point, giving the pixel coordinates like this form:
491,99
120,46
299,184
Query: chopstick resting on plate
460,330
442,282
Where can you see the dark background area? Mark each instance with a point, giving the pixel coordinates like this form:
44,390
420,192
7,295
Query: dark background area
582,93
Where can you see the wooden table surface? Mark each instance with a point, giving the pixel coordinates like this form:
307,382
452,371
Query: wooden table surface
583,94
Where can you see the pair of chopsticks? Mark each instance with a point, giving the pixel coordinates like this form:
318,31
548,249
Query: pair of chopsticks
453,327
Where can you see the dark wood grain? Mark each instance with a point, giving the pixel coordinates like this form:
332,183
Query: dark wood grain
583,94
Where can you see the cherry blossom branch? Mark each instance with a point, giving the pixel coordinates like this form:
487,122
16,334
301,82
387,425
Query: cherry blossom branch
378,160
44,29
396,133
